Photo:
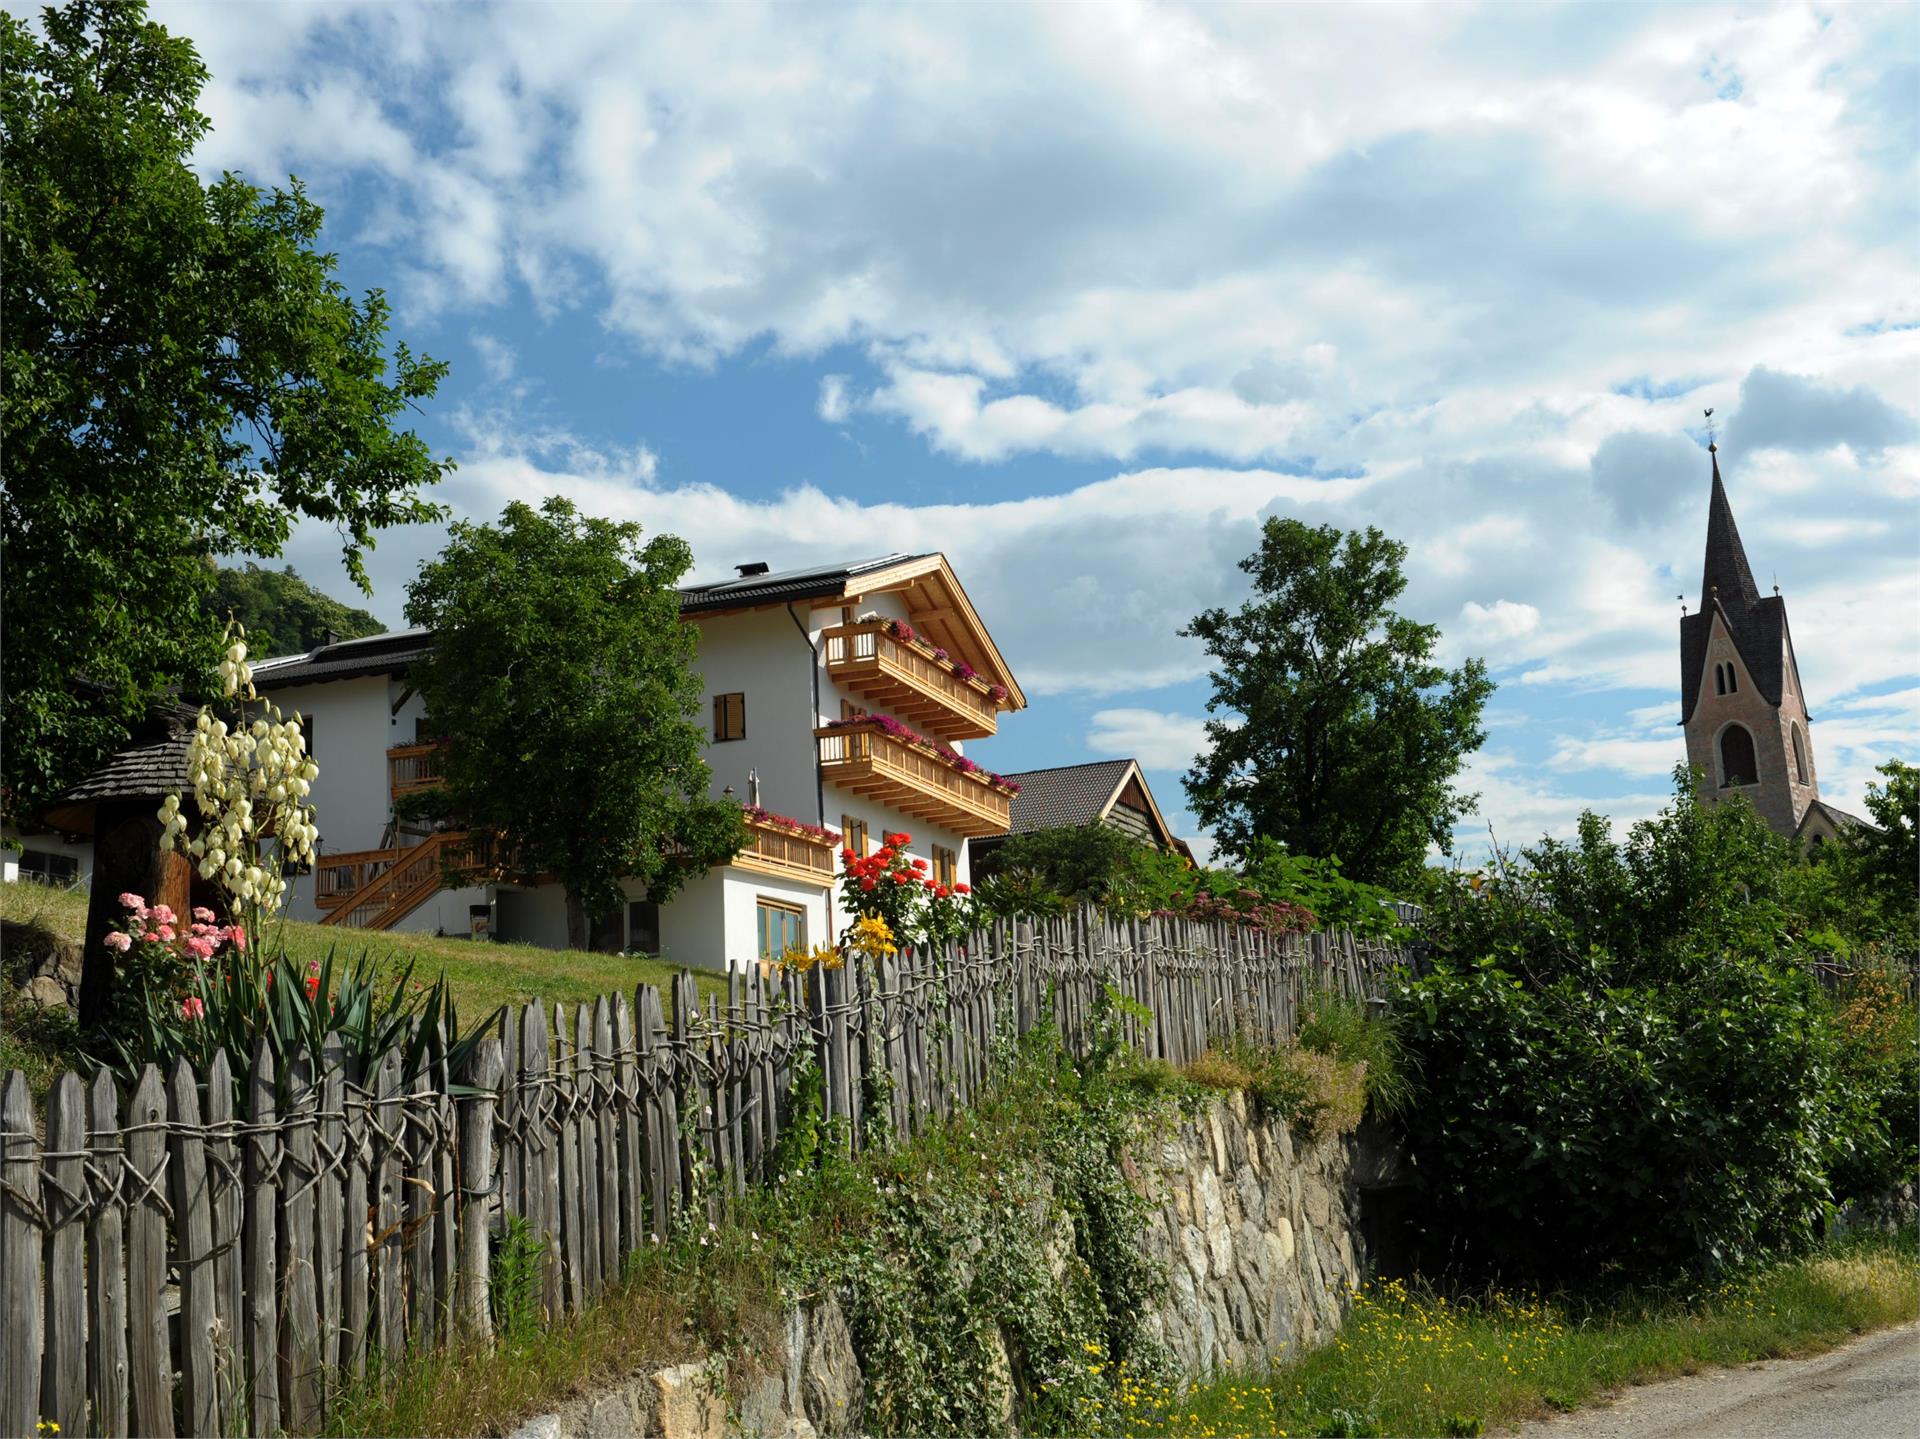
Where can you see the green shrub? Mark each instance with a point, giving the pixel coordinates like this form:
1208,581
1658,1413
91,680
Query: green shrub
1367,1034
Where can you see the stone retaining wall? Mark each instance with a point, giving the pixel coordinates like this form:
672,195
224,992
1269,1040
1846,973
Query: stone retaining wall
1258,1232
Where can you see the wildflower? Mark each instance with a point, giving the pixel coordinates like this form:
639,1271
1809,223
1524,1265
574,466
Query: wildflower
118,942
313,986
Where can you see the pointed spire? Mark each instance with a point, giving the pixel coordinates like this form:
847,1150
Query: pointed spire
1726,574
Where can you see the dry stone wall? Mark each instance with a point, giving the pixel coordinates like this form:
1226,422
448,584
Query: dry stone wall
1257,1232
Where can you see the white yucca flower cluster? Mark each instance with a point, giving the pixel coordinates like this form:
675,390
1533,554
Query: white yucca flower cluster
250,780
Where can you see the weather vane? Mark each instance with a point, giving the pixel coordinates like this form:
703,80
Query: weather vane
1711,443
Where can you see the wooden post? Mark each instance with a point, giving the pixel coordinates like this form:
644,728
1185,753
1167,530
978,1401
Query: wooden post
480,1178
149,1356
262,1246
106,1269
356,1257
383,1199
63,1370
300,1380
19,1259
329,1224
223,1174
542,1155
445,1195
586,1131
567,1153
608,1103
416,1123
193,1251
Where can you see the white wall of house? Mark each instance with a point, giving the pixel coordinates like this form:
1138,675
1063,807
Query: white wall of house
45,857
449,911
762,655
348,736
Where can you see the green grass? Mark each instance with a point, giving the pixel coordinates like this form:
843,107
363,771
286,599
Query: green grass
1412,1362
483,976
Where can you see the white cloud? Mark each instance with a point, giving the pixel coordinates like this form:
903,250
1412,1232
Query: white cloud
1501,620
1157,739
834,405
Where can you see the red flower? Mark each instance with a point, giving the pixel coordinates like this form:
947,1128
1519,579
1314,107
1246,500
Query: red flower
882,855
919,864
897,839
932,884
903,878
962,889
944,892
847,857
868,882
313,985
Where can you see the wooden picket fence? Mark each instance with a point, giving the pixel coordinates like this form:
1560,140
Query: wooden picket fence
179,1259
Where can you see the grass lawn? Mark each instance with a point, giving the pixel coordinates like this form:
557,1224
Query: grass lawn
483,976
1410,1362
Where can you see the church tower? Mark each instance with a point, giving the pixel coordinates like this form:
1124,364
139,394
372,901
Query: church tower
1740,697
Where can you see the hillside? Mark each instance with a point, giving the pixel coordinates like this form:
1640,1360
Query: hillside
283,613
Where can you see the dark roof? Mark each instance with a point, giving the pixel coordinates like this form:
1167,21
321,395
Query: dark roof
1838,818
153,763
1066,797
1726,571
389,653
1758,625
810,583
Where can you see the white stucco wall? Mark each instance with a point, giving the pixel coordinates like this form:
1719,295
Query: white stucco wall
13,844
761,655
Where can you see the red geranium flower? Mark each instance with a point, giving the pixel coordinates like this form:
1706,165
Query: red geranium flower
962,889
867,883
919,864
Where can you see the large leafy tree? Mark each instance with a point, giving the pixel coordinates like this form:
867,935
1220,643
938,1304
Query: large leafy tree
1333,729
184,377
563,677
283,614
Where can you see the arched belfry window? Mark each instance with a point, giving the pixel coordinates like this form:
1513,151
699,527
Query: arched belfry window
1719,679
1737,763
1733,681
1799,756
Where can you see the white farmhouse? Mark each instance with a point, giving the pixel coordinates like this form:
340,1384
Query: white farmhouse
838,699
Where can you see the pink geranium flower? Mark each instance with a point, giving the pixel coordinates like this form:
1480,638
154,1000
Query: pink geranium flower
193,1007
118,942
132,901
200,947
203,914
238,937
163,914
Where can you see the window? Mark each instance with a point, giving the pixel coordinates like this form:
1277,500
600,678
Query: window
782,927
1737,764
643,927
729,717
1733,681
1719,679
1799,757
853,835
605,931
42,868
946,866
850,710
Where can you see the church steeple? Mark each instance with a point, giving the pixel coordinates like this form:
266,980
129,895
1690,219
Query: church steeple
1726,572
1740,699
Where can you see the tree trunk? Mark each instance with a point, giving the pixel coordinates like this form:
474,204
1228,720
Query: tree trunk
126,858
576,922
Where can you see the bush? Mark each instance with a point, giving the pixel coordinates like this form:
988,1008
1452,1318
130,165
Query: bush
1365,1034
1577,1128
1320,1095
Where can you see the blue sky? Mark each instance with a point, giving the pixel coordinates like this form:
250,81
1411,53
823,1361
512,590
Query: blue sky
1079,294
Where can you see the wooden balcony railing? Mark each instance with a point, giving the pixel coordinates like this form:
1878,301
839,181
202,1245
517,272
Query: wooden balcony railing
398,881
415,766
772,849
905,681
867,760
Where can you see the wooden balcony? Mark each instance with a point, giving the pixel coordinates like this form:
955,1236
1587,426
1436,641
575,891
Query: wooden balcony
376,889
776,850
413,767
867,760
904,680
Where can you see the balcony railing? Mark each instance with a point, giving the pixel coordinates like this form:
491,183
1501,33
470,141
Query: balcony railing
375,889
772,849
867,760
415,766
906,681
336,877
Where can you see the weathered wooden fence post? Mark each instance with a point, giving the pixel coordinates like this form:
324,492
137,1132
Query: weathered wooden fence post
480,1183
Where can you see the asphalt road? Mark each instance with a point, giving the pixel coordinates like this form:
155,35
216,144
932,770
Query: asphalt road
1869,1389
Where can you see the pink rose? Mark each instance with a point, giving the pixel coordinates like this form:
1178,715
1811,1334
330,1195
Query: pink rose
162,914
163,934
238,937
118,942
132,901
203,914
193,1007
200,948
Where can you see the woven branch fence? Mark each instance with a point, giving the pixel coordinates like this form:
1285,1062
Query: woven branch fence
176,1260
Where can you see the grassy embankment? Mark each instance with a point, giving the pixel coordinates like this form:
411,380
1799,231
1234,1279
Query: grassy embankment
1409,1361
483,976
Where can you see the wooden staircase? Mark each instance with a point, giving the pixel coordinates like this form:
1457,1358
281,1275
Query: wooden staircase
401,887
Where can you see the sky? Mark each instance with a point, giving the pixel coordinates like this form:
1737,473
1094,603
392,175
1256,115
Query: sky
1081,294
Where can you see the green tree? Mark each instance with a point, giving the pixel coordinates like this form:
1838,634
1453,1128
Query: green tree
283,613
1882,864
1334,731
562,674
183,377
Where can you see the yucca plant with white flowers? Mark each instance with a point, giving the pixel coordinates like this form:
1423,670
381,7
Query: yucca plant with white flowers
249,821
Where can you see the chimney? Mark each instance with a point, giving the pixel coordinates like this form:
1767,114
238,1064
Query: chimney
329,637
753,789
758,567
